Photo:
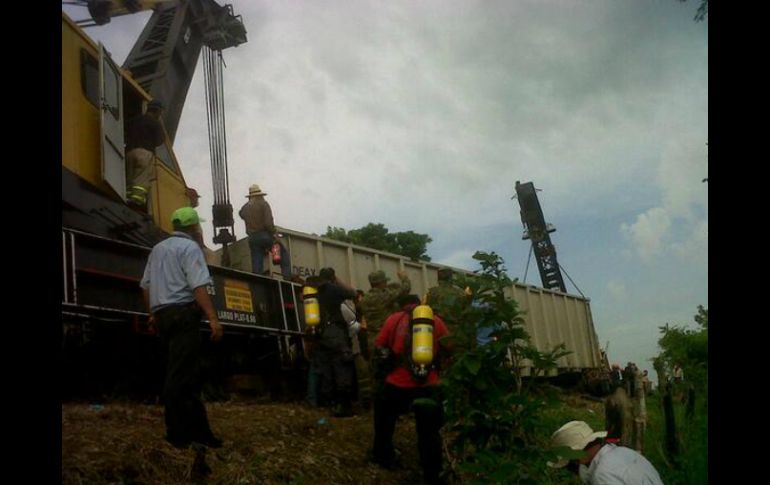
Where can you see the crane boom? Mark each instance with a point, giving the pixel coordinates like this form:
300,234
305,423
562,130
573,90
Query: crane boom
163,61
102,11
536,229
165,55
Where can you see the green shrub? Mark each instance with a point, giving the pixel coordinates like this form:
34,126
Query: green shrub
493,416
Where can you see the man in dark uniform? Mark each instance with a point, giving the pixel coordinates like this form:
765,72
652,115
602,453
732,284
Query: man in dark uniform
334,352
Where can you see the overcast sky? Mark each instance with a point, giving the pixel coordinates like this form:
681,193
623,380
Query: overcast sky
423,115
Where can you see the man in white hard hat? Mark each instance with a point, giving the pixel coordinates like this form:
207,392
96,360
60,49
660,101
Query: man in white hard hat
603,463
258,217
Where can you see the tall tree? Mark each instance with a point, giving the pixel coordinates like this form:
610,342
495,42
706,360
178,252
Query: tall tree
377,236
687,347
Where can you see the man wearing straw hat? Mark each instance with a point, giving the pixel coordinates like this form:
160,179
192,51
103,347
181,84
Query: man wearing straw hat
258,217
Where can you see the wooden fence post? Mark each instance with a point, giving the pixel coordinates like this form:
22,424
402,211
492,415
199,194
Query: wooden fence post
640,411
690,409
672,444
619,417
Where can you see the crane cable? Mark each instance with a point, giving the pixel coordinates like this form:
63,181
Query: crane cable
215,115
570,280
526,270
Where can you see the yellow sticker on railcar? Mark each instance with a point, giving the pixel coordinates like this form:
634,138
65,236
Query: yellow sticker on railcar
238,296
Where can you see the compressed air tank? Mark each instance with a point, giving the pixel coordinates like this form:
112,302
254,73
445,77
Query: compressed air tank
312,308
422,335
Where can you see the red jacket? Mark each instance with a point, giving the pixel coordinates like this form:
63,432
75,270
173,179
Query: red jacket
393,335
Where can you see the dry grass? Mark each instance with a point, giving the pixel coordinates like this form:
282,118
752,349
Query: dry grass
122,443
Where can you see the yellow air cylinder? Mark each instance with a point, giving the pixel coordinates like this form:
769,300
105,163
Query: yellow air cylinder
422,335
312,309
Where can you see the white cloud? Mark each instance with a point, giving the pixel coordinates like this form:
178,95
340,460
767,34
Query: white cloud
461,258
680,172
694,247
648,233
616,289
679,224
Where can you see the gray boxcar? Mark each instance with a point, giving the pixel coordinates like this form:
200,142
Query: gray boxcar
550,317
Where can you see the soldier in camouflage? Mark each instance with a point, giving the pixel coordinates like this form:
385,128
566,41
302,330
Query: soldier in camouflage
440,298
376,306
382,300
443,297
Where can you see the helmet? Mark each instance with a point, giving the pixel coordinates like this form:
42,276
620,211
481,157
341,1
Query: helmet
377,277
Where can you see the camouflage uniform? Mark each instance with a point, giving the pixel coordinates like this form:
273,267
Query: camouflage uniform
381,302
376,306
440,298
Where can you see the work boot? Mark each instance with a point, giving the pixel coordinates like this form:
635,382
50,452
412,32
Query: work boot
211,441
200,469
435,480
344,408
343,411
180,444
391,463
138,207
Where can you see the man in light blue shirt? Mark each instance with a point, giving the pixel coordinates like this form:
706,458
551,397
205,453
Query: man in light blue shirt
174,288
176,267
603,463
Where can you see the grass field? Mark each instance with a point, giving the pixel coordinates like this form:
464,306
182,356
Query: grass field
693,442
693,437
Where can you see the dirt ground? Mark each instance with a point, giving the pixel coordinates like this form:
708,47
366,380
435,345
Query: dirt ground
264,443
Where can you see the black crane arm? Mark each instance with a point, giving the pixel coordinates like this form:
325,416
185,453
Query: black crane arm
536,229
165,55
163,61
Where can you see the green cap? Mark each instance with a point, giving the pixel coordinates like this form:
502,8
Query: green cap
377,277
185,216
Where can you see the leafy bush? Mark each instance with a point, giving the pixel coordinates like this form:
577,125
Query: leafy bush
493,415
688,348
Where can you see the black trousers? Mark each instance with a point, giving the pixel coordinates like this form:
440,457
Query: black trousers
337,371
389,403
179,328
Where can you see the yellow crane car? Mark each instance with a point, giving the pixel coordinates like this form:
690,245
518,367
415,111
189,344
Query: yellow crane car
105,241
98,97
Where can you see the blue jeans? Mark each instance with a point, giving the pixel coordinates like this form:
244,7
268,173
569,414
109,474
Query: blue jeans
259,243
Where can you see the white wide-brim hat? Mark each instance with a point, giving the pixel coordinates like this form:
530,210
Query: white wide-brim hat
574,435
